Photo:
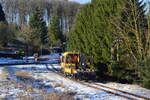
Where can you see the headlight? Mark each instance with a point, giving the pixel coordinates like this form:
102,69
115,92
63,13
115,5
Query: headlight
75,71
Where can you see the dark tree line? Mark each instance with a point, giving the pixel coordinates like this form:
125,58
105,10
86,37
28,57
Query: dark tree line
2,14
6,30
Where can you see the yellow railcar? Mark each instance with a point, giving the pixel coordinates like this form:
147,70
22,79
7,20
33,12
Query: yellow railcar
77,65
70,62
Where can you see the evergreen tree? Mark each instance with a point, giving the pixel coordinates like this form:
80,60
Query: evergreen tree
37,24
7,33
27,36
4,32
130,41
54,32
92,33
2,14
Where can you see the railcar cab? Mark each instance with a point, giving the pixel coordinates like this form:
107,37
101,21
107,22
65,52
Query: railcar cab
70,62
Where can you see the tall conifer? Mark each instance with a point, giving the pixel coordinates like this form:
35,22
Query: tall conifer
54,32
92,33
37,24
130,40
2,14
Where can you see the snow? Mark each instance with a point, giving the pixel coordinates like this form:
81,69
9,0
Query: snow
82,91
11,61
7,88
53,60
13,87
1,70
117,92
136,89
54,55
35,82
44,78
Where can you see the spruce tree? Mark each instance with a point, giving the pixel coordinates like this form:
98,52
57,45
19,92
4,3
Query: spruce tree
2,14
130,40
37,24
4,34
92,33
54,33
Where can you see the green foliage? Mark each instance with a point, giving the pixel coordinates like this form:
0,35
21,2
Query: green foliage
3,28
144,68
2,14
116,33
37,24
129,42
3,33
7,34
54,33
92,32
144,64
27,37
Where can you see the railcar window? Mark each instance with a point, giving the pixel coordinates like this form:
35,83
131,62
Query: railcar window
72,58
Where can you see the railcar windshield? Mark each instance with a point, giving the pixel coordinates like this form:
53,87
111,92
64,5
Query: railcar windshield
72,58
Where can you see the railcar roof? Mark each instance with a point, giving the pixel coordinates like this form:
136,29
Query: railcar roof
66,53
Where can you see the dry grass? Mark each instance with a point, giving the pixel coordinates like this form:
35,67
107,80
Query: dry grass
43,96
50,96
29,89
3,75
23,73
56,84
59,96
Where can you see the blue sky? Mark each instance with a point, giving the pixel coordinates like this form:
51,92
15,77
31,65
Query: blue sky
147,0
81,1
85,1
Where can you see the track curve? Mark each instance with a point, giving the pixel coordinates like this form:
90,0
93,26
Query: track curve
101,87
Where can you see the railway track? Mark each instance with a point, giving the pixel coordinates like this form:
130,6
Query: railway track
102,87
128,93
98,86
110,90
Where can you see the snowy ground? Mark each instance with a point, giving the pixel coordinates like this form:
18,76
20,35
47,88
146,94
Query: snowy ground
17,83
53,58
39,78
136,89
31,82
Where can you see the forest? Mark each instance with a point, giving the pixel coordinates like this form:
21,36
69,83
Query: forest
115,32
19,15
